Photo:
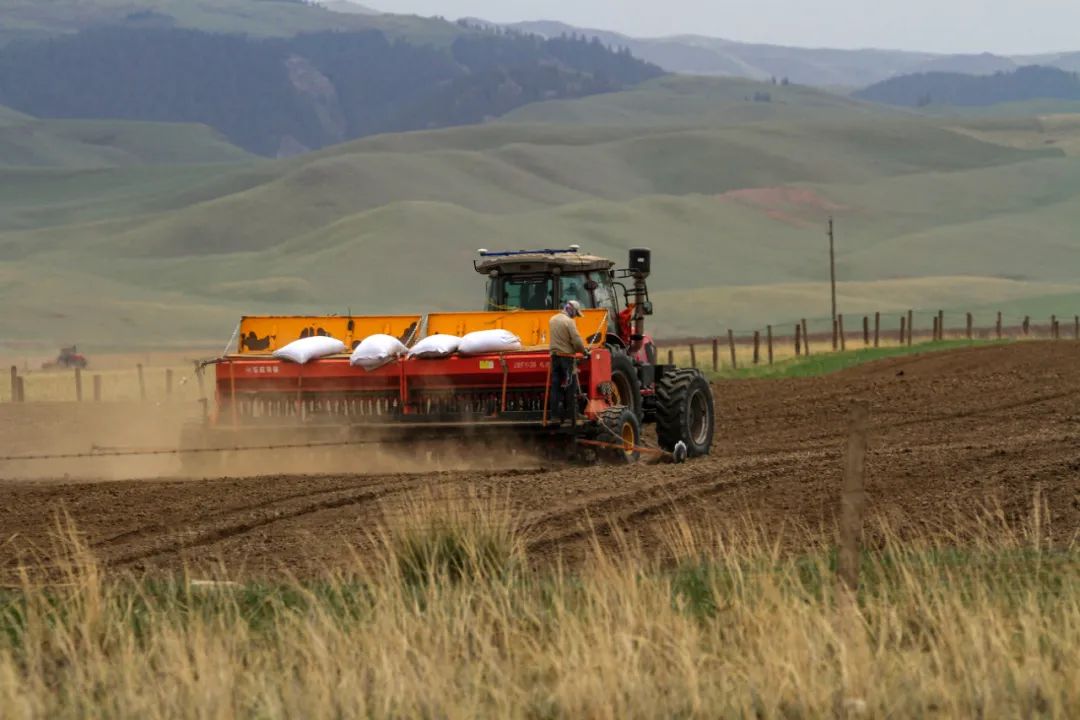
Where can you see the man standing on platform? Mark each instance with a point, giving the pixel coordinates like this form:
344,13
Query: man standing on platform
566,345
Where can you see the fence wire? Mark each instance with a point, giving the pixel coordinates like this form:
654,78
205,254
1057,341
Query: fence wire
103,452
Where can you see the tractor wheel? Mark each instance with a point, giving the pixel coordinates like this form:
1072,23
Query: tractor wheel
625,382
684,412
620,426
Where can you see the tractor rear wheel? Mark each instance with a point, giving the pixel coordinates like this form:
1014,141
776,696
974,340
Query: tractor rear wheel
684,412
620,426
625,382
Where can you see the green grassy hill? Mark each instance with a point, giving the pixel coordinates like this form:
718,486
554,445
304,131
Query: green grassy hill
699,102
59,172
29,142
732,201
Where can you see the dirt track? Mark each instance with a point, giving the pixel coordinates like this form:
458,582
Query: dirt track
951,433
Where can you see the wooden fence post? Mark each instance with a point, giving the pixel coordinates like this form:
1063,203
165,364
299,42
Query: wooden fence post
693,356
877,329
142,384
715,354
903,322
14,383
168,382
910,325
670,357
805,339
853,495
1027,325
731,344
199,377
935,330
798,340
997,327
768,340
78,385
970,326
941,324
865,331
1054,334
757,347
835,335
97,388
20,388
840,328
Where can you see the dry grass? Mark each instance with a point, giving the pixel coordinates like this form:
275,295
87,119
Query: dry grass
724,625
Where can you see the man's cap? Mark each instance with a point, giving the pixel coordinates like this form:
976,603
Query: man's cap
572,308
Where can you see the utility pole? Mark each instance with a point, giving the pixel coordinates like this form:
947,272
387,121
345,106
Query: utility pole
832,268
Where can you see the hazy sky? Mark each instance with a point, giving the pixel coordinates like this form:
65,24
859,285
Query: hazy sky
1003,26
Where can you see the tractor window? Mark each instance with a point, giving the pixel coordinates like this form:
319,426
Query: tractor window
572,287
528,293
604,292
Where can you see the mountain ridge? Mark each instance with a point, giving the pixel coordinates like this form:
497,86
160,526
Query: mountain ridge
815,66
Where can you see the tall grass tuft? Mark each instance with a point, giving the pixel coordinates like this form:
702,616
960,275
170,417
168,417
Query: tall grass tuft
453,536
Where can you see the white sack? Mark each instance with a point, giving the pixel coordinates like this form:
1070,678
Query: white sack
377,351
305,350
489,341
436,346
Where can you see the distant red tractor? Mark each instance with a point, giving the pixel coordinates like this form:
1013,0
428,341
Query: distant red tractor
69,357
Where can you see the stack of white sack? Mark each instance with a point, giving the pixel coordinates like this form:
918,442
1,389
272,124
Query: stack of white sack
489,341
436,346
376,351
305,350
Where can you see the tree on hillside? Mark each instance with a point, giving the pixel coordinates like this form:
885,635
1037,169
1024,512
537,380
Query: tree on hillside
1026,83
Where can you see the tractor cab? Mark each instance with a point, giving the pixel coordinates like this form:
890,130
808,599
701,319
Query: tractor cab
547,279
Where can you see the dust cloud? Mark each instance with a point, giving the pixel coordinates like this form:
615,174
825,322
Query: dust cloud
57,429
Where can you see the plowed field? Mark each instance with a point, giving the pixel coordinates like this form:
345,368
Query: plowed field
952,434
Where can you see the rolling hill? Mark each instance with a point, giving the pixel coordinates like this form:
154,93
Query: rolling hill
347,6
26,141
65,171
700,55
818,67
38,19
959,90
731,198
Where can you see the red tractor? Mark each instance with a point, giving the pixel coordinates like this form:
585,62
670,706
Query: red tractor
678,400
269,401
68,358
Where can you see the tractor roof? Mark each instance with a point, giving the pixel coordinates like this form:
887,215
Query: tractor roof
540,261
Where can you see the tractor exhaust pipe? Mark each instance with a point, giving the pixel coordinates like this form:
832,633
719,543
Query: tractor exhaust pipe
640,268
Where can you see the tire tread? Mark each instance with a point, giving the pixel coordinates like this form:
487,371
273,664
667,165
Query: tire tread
672,393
